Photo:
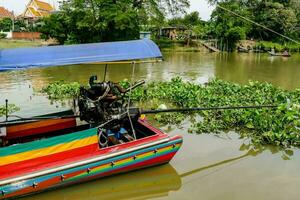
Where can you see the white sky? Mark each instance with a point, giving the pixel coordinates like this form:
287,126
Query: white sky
18,6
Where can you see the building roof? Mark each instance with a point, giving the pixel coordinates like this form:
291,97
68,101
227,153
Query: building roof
38,9
5,13
34,12
44,6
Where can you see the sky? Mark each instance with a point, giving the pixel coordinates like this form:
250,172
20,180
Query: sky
18,6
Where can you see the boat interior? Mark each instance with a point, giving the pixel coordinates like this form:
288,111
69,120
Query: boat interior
116,133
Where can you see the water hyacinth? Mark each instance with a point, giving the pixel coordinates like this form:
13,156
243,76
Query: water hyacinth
278,126
10,109
60,90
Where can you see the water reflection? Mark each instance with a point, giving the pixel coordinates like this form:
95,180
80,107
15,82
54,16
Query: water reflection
224,167
241,68
142,184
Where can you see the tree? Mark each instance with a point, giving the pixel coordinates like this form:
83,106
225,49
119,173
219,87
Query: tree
5,24
275,16
229,28
281,16
83,21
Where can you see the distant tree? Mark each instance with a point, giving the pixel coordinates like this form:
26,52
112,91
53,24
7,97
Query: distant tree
229,28
5,24
192,19
20,25
200,31
83,21
282,16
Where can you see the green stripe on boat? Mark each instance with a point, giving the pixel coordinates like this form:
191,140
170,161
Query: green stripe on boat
40,144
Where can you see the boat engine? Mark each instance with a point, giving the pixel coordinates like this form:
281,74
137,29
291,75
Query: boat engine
102,101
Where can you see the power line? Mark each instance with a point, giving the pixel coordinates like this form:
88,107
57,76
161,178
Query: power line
257,24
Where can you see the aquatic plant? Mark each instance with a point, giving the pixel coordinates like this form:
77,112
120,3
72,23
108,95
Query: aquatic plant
60,90
278,126
11,108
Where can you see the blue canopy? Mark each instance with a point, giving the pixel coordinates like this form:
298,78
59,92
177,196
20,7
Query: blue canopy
23,58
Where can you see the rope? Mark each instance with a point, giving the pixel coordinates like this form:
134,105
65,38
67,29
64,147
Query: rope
257,24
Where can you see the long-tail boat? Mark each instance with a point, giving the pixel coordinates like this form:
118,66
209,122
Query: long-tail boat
106,138
285,54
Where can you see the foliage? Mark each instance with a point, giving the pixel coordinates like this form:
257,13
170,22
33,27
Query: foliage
267,46
89,21
195,27
11,108
82,21
188,20
282,16
228,28
276,16
60,90
5,24
3,35
279,126
22,26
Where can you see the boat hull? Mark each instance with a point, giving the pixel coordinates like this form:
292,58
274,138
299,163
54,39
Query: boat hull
155,150
279,54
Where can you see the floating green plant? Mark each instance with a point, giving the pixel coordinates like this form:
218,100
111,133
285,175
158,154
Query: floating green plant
60,90
10,109
278,126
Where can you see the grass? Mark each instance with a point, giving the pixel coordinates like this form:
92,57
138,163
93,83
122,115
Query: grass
6,44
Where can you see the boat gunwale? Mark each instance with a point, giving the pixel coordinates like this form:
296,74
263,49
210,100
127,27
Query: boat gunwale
97,158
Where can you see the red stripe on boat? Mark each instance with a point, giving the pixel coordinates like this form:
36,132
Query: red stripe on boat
40,163
57,180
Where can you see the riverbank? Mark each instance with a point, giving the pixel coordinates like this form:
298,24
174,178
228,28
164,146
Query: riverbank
6,43
259,46
168,45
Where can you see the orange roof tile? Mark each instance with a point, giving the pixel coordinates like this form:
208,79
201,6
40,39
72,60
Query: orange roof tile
5,13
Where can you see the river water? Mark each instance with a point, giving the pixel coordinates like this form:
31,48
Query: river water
208,166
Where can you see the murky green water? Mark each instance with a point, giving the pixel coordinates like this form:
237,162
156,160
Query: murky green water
208,166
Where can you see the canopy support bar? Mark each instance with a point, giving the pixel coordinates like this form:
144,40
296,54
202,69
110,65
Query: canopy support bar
105,71
127,62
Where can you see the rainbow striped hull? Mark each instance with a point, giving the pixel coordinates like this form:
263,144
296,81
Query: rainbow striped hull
72,163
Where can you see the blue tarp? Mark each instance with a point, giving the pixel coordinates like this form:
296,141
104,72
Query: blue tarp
23,58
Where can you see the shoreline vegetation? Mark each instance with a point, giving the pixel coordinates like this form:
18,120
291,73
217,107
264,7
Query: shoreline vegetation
168,45
255,46
8,43
279,126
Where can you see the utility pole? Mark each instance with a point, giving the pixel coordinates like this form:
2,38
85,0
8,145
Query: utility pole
13,21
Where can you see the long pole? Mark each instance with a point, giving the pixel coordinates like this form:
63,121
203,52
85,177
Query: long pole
136,111
209,108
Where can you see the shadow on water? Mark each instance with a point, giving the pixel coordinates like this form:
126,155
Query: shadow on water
146,183
142,184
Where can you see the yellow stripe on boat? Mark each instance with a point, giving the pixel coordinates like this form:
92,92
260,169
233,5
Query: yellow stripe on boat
48,151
